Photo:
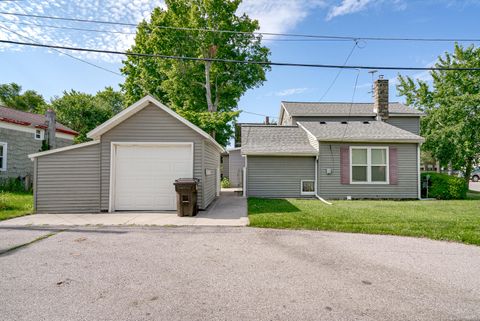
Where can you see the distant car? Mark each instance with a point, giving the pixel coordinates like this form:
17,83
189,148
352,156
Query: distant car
476,175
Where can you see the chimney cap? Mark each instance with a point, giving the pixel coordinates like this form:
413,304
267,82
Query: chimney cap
380,76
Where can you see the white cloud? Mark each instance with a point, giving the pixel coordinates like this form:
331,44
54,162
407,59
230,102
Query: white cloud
291,91
279,16
352,6
274,16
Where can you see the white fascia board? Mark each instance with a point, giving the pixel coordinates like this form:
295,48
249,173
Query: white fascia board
136,107
63,149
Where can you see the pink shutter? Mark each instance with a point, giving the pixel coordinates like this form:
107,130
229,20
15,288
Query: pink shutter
344,165
393,165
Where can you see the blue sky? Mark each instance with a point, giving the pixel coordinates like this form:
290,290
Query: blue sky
50,73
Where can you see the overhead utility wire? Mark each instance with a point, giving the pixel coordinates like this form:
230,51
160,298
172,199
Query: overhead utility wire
251,62
64,53
133,33
352,38
339,72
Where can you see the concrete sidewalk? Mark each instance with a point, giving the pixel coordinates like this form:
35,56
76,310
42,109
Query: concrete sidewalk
227,210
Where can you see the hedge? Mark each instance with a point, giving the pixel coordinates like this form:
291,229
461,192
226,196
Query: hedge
445,187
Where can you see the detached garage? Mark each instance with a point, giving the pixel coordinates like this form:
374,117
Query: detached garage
130,165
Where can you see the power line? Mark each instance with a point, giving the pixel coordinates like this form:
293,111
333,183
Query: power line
351,38
251,62
64,53
257,114
351,104
133,33
339,72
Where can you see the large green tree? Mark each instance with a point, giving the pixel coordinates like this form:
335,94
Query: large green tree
11,96
83,112
452,105
204,92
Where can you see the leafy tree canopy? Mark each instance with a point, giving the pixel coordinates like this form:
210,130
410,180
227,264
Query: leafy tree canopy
83,112
452,105
206,93
11,96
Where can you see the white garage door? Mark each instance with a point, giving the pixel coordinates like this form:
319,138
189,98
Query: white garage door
144,175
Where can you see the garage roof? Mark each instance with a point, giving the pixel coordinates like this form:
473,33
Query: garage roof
136,107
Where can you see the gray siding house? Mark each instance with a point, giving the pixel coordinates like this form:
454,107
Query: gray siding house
130,165
23,133
233,164
336,151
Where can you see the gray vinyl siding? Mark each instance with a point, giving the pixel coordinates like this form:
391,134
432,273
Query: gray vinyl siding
329,186
151,124
236,164
68,181
211,163
225,166
411,124
278,176
20,145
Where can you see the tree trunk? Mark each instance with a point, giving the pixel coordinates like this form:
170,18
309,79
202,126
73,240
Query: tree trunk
468,171
438,166
208,89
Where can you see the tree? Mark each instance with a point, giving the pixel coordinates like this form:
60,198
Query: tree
452,105
83,112
204,92
30,101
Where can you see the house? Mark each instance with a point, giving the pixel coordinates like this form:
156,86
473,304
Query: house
233,164
130,164
23,133
336,151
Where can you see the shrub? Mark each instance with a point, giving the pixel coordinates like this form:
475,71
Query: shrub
445,187
14,185
225,183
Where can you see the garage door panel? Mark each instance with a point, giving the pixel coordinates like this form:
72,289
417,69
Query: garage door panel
144,175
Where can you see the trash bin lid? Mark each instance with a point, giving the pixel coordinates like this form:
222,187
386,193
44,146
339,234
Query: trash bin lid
186,181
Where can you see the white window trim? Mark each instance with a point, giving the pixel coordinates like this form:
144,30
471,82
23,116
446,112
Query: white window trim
301,187
4,156
42,134
369,165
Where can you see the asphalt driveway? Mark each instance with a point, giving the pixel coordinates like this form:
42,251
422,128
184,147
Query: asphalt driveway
220,273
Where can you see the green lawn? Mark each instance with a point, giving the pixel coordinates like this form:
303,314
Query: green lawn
15,204
441,220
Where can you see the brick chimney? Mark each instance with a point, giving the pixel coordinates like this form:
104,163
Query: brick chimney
51,128
380,94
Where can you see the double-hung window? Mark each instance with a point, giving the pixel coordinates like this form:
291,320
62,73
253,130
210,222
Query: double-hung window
369,165
3,156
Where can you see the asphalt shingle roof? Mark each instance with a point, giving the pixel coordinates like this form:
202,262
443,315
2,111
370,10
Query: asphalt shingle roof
28,119
341,109
275,140
358,131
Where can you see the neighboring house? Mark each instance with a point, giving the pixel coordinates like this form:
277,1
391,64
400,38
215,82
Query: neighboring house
23,133
336,151
130,165
233,164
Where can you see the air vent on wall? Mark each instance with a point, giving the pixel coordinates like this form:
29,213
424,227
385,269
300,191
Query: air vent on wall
366,122
323,122
344,122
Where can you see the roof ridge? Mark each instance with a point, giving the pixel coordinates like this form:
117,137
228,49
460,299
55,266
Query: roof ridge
336,102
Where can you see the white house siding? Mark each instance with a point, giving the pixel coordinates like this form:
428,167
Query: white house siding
151,124
236,164
278,176
68,181
210,173
329,186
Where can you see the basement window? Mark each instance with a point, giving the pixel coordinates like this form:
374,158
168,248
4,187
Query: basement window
3,157
308,187
39,134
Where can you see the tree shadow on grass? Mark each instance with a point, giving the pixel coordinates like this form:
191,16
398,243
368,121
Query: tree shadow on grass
262,206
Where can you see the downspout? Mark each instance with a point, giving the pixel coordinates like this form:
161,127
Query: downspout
316,181
419,185
245,177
